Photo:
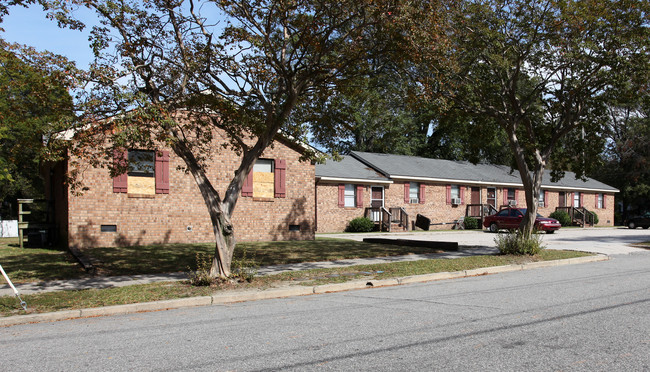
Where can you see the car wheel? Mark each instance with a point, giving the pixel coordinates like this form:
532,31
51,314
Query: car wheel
550,231
493,227
631,225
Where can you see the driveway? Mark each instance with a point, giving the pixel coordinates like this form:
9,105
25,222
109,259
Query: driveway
605,240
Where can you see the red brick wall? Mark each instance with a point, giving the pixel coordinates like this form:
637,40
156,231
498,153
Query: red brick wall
181,216
332,218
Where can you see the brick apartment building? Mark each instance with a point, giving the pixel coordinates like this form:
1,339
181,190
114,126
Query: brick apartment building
439,190
156,202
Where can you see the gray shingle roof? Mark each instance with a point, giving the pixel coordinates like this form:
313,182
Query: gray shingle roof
359,165
348,168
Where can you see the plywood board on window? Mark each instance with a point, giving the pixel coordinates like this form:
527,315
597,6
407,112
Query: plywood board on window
141,185
263,185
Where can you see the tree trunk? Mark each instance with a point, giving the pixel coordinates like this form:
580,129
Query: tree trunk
532,181
224,248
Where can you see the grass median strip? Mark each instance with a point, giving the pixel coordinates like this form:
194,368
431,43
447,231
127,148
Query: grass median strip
66,300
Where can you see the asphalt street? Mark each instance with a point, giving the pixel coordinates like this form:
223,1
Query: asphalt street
586,317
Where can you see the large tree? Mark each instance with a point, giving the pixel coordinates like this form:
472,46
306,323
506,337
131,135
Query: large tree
34,103
627,153
240,66
543,71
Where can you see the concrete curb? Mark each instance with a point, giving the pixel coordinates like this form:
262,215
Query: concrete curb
229,298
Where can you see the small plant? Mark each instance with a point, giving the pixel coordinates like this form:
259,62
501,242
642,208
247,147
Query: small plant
361,224
517,243
562,216
594,217
201,276
244,268
470,223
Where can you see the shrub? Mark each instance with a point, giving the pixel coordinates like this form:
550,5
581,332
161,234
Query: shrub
244,268
595,217
517,243
562,216
470,223
361,224
201,276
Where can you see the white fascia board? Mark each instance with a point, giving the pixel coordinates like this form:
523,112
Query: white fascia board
353,180
456,181
485,183
564,188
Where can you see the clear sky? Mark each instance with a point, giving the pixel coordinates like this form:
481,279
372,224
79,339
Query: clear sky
29,26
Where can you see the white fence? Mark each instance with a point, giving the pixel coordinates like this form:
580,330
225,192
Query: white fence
8,229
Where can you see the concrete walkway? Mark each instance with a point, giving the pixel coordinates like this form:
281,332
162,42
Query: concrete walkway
121,281
608,241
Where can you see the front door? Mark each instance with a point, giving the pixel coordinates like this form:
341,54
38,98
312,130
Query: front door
561,199
476,199
376,201
492,196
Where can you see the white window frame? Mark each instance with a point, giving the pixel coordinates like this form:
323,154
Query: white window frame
414,192
601,200
350,196
541,201
455,192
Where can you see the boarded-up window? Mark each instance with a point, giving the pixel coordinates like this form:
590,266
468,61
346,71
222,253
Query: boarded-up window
141,172
263,179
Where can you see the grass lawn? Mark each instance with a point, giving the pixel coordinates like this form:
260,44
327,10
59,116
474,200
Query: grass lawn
179,257
54,301
30,264
35,264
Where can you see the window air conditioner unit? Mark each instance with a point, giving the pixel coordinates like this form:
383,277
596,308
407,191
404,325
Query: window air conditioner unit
540,203
455,201
512,203
414,201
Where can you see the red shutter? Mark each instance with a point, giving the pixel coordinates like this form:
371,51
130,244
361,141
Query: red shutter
604,201
545,199
341,195
448,194
407,192
162,172
581,200
247,187
461,191
280,178
120,183
422,193
359,196
505,196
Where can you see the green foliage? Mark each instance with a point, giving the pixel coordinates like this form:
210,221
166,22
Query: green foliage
562,216
470,223
543,73
244,267
201,275
517,243
595,217
361,224
34,104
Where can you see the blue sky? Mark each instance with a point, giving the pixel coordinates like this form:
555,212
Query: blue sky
29,26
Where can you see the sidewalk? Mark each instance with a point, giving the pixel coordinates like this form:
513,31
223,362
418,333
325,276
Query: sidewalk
121,281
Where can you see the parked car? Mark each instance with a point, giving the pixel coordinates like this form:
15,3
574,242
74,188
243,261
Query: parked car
639,221
510,218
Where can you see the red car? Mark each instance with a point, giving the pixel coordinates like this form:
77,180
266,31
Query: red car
510,218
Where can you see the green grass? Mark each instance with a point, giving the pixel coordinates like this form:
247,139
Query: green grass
66,300
178,257
30,264
34,264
